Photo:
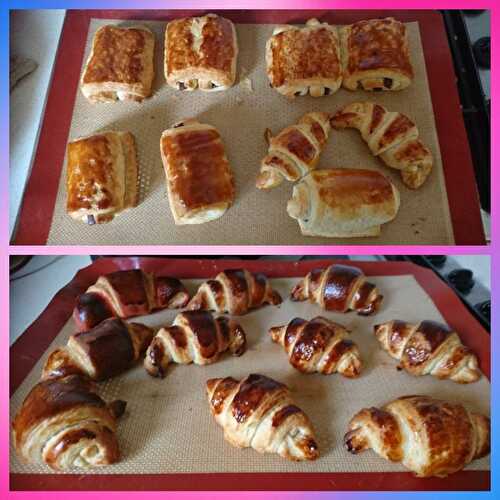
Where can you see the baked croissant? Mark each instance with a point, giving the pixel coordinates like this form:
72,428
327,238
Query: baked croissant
391,136
64,423
318,345
295,151
428,348
339,288
194,337
234,291
258,412
108,349
429,436
126,294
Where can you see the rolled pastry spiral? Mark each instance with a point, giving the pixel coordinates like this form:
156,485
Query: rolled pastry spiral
235,291
194,337
429,436
295,151
428,348
318,345
125,294
391,136
258,412
109,349
339,288
65,424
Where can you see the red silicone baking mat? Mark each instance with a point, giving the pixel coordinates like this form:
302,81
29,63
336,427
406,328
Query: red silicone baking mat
32,344
41,189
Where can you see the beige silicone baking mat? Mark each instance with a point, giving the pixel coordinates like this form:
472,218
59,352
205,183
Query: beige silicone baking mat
241,114
168,426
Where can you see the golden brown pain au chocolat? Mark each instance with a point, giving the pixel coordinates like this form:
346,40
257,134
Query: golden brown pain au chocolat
318,345
106,350
428,348
339,288
235,291
199,178
304,60
259,412
64,423
125,294
201,53
120,65
391,136
101,176
429,436
194,337
375,55
343,203
295,151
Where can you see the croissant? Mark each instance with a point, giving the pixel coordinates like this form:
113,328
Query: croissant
295,151
195,336
428,348
108,349
234,291
318,345
258,412
126,294
429,436
339,288
64,423
391,136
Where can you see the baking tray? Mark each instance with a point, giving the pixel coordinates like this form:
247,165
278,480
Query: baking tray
28,349
38,203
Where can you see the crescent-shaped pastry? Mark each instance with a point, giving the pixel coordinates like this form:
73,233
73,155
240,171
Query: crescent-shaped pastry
125,294
375,55
428,348
65,424
429,436
101,176
200,53
343,203
259,412
301,61
120,65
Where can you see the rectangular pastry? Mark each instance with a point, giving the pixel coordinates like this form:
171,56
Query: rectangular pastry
120,65
343,202
101,177
304,60
199,178
200,53
375,55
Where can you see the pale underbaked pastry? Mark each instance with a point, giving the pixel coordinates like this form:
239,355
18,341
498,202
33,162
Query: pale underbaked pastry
127,293
428,348
391,136
199,179
375,55
339,288
101,176
304,60
194,337
65,424
343,202
318,345
429,436
259,412
120,65
201,53
295,151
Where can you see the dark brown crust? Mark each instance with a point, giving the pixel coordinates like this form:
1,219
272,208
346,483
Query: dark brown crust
156,353
130,289
202,324
298,144
292,330
166,289
312,339
238,289
90,310
303,54
217,291
336,353
338,286
258,290
116,56
197,170
224,388
378,44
